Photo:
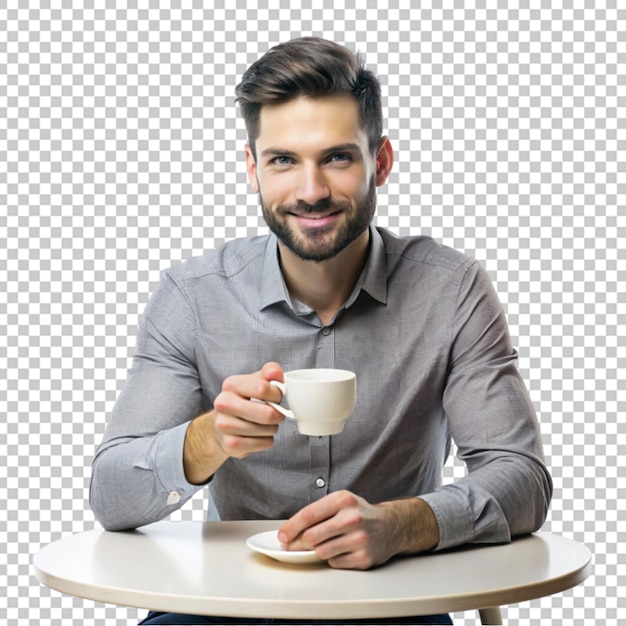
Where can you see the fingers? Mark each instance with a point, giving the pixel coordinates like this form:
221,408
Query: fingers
343,529
230,404
244,425
332,516
256,385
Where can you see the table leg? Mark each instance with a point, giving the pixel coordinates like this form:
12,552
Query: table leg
491,615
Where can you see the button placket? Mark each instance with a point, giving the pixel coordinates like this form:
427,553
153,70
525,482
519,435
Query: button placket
320,466
326,347
320,446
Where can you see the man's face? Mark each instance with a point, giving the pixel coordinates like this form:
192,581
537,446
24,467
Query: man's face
315,175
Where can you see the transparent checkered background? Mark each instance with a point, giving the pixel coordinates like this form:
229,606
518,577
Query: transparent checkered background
121,153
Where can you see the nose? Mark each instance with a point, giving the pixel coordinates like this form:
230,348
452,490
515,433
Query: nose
312,185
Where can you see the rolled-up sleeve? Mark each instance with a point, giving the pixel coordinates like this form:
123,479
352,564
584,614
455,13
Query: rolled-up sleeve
492,420
137,473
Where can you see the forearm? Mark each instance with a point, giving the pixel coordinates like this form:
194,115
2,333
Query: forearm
202,454
412,526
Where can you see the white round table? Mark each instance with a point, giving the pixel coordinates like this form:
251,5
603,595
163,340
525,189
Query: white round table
206,568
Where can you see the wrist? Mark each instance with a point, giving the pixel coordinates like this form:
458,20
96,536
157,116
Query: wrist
413,525
202,455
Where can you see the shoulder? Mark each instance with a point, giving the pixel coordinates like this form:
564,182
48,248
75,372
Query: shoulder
425,254
230,259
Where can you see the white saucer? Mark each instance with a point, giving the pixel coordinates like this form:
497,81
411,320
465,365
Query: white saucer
267,543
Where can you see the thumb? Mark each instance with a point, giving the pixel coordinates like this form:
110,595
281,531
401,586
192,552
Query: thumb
272,371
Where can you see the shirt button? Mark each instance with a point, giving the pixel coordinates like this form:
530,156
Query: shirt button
173,498
326,331
320,482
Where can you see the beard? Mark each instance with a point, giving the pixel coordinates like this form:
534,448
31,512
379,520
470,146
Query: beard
321,244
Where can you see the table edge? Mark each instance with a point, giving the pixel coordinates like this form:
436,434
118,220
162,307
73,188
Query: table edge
294,609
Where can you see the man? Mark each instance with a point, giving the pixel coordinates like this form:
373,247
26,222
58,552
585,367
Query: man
419,324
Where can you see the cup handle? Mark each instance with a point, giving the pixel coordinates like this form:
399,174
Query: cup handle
280,409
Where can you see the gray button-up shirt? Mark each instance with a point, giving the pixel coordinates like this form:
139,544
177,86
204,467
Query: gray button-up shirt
427,338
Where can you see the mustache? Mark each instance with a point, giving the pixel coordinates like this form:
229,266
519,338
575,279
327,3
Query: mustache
325,205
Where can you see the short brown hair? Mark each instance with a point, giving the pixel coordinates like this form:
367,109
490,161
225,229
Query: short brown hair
314,68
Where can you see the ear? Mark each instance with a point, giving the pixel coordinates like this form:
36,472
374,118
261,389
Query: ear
251,168
384,161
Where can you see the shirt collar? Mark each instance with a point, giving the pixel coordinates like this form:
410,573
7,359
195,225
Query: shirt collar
375,271
273,288
373,279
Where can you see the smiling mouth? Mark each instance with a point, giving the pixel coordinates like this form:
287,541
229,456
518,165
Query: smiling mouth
316,220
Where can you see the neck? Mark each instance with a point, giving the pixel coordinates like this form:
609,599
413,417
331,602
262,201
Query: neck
325,285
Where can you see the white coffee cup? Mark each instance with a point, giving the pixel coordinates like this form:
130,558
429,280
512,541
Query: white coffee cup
321,400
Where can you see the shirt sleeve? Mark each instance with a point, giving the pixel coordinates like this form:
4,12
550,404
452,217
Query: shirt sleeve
137,474
508,488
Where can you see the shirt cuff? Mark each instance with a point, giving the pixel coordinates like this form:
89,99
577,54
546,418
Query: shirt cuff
467,515
455,527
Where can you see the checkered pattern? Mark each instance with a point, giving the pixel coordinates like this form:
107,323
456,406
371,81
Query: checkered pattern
121,154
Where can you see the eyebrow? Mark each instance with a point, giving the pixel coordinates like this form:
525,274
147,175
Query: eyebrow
342,147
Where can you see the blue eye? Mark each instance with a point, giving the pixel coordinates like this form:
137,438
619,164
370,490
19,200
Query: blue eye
282,160
341,156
